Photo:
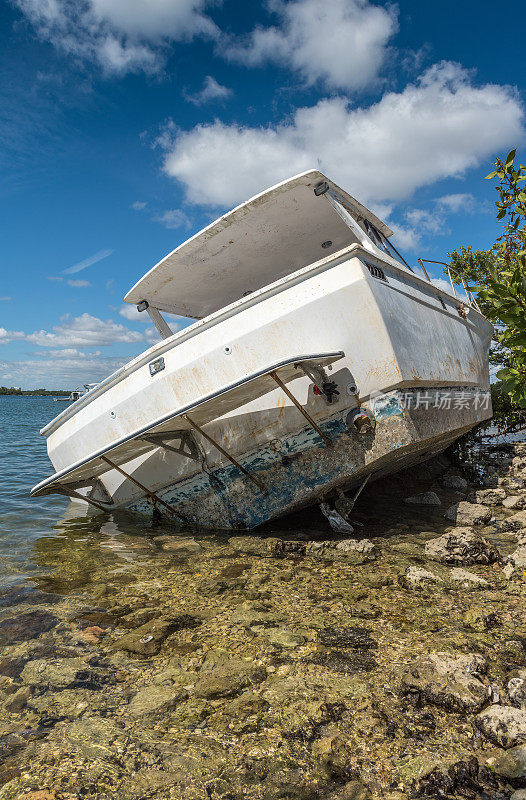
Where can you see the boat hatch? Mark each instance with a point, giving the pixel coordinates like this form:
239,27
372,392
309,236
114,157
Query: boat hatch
276,233
173,427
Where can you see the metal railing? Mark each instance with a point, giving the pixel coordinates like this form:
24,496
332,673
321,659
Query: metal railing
469,295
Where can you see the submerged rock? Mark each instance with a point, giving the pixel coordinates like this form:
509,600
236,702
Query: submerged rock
462,546
454,482
455,682
25,626
467,578
353,637
423,499
228,678
155,699
503,725
465,513
417,576
58,673
147,639
510,763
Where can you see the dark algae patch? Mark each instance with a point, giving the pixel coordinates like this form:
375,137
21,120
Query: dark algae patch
288,664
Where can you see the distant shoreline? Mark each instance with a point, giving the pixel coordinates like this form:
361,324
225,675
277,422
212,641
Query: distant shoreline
34,393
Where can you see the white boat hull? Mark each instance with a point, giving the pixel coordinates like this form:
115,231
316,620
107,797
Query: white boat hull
398,341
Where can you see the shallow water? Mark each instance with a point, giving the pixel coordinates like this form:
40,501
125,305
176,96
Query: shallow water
140,661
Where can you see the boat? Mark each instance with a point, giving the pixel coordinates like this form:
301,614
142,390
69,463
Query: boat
317,359
76,394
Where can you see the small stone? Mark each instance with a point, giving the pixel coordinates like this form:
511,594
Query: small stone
464,513
462,545
515,501
423,499
228,678
516,560
516,521
417,576
467,578
503,725
18,701
516,689
454,482
92,634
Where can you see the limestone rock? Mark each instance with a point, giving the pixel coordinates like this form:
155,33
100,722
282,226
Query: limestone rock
514,502
455,682
503,725
228,678
516,561
147,639
516,689
417,576
57,673
516,521
462,546
423,499
454,482
510,764
467,578
465,513
154,699
489,497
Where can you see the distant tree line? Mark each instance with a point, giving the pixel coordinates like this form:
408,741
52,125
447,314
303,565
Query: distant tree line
12,390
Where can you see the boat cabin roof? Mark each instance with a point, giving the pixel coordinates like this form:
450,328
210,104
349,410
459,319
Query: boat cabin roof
270,236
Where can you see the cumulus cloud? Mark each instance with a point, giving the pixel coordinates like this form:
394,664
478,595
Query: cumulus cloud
130,312
173,218
6,337
457,202
58,371
211,91
139,205
119,35
83,331
340,43
437,127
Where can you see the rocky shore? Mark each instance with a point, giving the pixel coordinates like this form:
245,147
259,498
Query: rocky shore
280,666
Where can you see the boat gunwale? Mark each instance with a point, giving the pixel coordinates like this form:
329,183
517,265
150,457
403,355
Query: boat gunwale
232,309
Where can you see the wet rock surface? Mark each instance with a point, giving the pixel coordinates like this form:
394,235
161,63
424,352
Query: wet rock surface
298,665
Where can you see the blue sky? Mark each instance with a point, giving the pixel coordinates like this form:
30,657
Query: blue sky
127,125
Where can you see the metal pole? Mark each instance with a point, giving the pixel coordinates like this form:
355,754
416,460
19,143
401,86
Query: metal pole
307,416
72,493
144,488
224,452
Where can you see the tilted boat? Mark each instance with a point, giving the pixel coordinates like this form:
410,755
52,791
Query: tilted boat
318,358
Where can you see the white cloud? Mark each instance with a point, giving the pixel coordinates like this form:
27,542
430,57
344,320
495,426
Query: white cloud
87,262
60,371
139,205
130,312
6,298
435,128
78,284
153,336
68,352
341,43
119,35
212,90
10,336
83,331
457,202
423,220
173,218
